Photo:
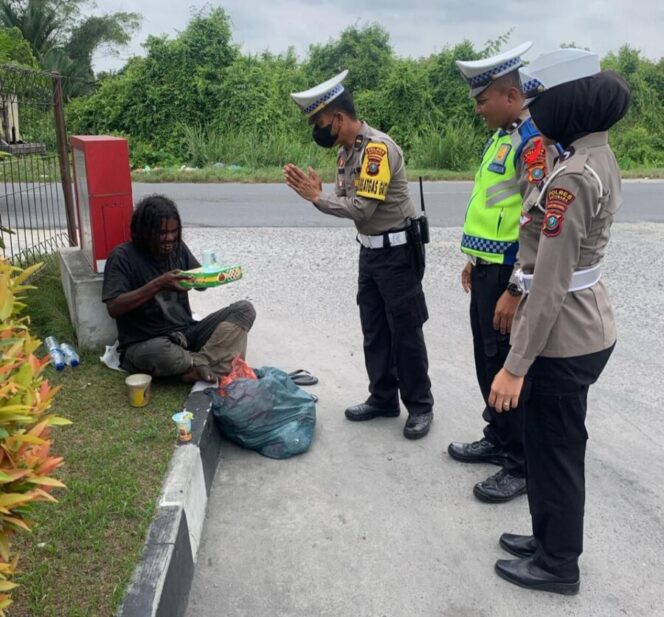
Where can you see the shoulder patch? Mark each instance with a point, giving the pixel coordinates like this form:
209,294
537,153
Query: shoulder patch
375,174
559,199
557,202
534,161
553,223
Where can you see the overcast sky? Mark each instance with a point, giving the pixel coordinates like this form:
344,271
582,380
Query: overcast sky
416,27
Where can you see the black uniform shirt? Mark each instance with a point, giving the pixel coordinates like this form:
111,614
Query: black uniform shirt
128,269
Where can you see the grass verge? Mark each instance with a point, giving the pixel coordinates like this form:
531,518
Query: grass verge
83,549
268,175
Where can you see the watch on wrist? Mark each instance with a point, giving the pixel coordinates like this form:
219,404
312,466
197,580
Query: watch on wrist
514,290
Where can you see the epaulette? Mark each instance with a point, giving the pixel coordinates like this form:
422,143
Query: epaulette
574,160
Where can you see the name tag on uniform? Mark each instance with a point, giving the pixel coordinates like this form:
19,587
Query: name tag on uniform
498,163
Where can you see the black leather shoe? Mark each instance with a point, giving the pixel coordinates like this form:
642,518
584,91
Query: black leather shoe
481,451
365,411
417,426
524,573
500,487
521,546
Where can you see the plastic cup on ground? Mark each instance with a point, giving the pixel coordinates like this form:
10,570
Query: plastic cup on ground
138,389
182,420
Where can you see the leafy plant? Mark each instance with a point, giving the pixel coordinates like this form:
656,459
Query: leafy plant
200,78
26,464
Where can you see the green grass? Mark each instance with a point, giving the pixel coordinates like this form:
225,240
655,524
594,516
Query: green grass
269,174
643,172
33,169
275,174
83,549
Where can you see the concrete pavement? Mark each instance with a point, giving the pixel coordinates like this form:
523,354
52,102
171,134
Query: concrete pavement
367,524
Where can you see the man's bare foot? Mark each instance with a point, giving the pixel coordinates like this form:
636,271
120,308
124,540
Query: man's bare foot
201,372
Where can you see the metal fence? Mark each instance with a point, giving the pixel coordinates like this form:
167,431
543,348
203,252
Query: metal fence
36,200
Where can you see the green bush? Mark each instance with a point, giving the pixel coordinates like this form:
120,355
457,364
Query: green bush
196,98
455,146
26,463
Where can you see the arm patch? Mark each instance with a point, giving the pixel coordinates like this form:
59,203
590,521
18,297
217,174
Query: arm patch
557,202
534,160
375,173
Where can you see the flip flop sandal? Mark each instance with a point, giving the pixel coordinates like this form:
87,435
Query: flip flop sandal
303,378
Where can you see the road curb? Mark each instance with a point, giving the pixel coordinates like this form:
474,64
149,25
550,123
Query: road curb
160,584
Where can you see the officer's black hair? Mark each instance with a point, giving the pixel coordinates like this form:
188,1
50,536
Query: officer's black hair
147,220
509,80
343,103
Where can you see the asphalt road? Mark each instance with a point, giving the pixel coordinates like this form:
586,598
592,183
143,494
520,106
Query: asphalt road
275,205
368,524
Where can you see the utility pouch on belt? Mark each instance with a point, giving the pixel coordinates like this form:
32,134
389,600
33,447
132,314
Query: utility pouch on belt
423,220
423,223
415,240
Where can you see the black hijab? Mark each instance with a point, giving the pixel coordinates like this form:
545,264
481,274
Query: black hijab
589,105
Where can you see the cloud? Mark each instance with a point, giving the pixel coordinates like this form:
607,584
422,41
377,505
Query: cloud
417,27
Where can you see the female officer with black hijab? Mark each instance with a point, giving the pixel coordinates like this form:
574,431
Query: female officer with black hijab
564,330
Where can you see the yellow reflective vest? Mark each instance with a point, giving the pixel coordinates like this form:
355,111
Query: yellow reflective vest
491,227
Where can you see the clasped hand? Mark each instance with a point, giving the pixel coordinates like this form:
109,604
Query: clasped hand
308,186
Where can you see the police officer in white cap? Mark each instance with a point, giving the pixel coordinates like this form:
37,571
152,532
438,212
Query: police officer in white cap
513,166
372,190
563,331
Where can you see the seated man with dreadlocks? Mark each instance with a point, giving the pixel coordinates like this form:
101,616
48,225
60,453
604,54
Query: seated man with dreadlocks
142,292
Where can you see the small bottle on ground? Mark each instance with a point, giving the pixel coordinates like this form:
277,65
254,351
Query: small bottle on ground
70,355
54,351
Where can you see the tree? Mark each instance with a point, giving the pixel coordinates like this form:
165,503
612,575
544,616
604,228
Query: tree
180,81
63,40
366,53
15,49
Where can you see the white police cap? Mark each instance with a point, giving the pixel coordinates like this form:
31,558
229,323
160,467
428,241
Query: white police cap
317,98
555,68
479,74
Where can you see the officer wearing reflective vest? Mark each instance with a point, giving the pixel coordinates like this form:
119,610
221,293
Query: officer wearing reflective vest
372,190
564,330
513,166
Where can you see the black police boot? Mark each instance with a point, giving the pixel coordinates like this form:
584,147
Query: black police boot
525,573
500,487
482,451
417,425
366,411
521,546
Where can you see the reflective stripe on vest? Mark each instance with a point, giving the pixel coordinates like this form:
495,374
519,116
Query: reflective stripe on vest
491,228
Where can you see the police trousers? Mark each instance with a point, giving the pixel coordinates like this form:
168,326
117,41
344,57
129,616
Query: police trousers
505,430
214,342
555,403
392,312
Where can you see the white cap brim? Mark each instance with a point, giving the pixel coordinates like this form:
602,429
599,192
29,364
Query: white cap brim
317,98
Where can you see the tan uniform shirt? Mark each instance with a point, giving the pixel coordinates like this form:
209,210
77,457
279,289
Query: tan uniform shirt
572,234
371,186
